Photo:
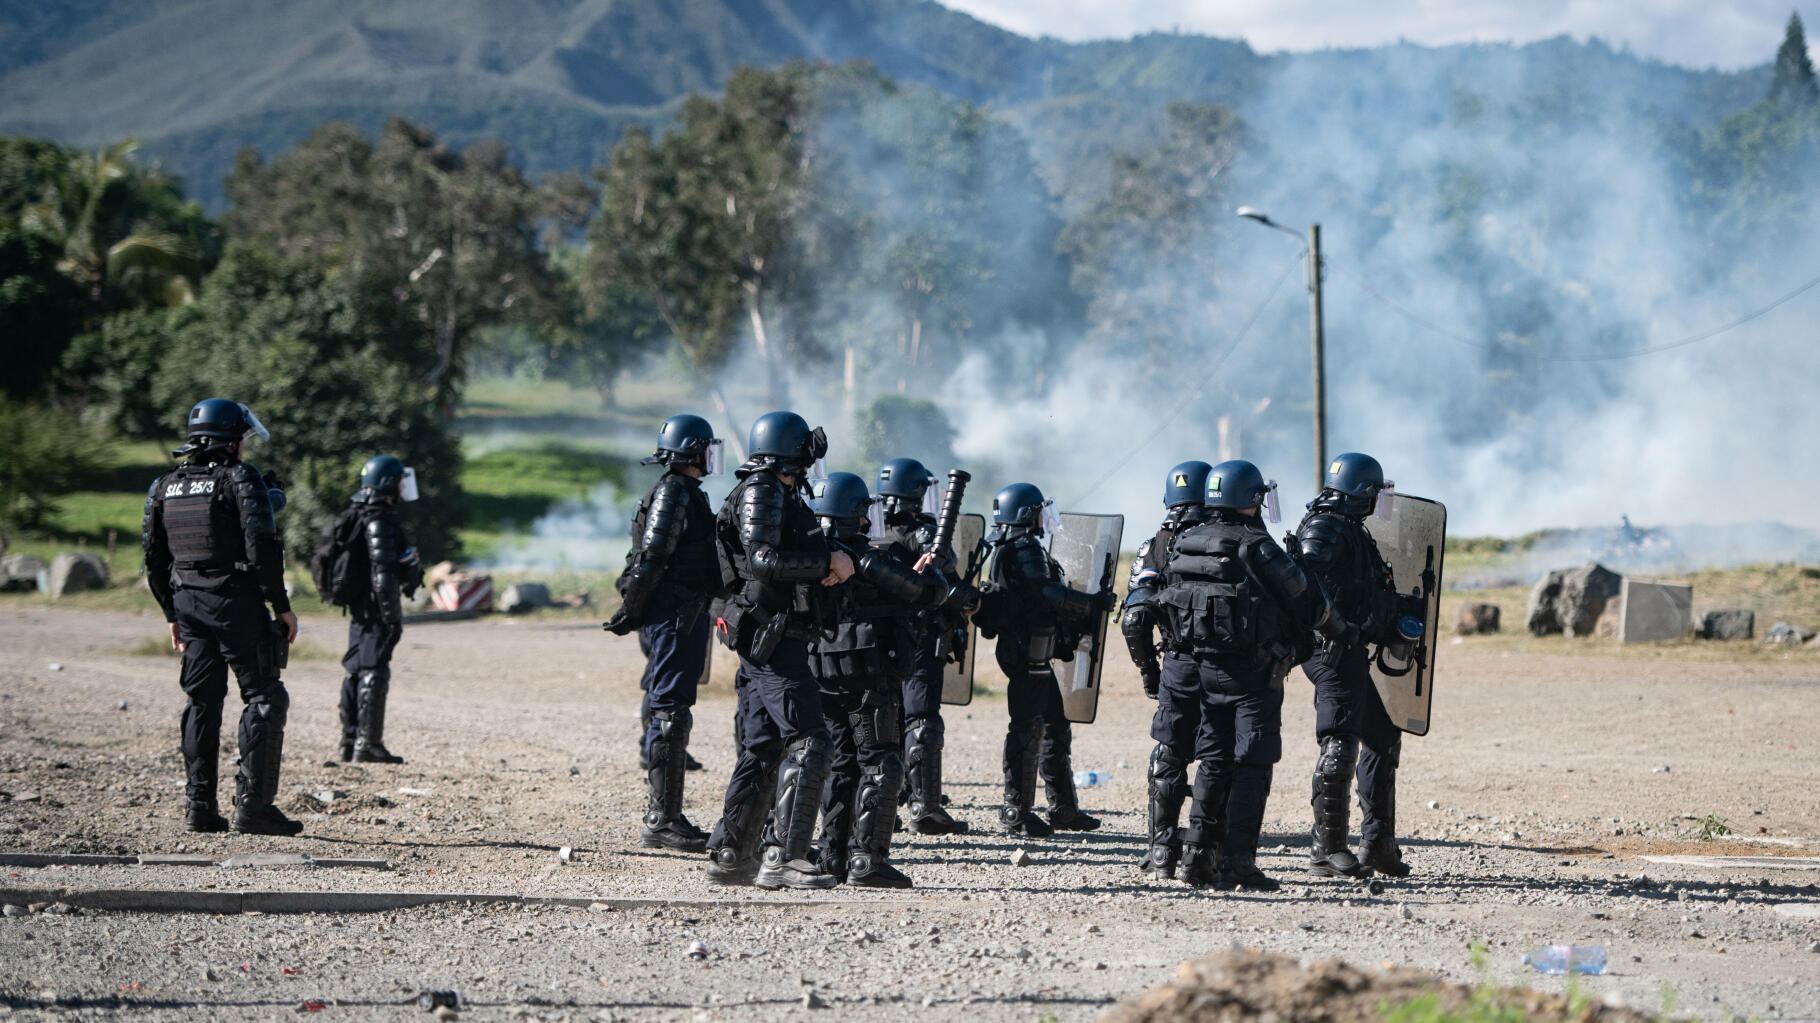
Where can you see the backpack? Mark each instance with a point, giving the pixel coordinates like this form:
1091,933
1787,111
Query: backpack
339,565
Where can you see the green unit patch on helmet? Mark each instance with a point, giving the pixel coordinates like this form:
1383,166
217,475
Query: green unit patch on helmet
1213,484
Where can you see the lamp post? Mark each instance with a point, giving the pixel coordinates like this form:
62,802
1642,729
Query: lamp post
1316,334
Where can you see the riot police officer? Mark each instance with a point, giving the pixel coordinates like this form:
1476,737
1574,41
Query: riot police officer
774,562
1348,712
1027,603
376,614
213,561
672,572
862,663
1238,609
904,486
1184,506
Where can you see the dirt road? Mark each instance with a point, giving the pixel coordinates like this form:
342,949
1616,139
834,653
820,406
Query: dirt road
1528,813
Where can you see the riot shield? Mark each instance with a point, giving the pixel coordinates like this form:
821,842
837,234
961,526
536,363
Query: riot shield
1411,539
1087,548
957,678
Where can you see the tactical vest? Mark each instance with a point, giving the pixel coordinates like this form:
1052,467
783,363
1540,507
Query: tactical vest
201,526
1211,602
873,639
693,566
798,530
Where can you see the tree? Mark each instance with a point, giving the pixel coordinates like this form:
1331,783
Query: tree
47,453
440,243
310,356
896,426
1794,82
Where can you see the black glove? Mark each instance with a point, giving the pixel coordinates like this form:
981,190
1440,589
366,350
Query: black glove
1153,680
621,623
1105,601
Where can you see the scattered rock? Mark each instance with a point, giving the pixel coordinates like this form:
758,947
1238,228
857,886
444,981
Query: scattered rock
120,705
1434,804
330,795
445,1013
697,950
1812,946
1404,912
811,1000
599,907
1305,925
19,573
1476,619
1729,624
54,666
565,854
1020,858
522,597
14,909
74,571
1570,600
1786,634
60,909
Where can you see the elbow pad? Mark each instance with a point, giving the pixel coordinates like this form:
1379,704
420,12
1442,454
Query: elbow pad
775,567
761,515
893,579
664,521
1069,604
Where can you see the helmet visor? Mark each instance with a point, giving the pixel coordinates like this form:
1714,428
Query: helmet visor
1273,512
254,426
714,459
1384,495
1050,518
407,487
932,501
875,518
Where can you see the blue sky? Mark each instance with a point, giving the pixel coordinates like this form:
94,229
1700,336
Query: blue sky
1696,33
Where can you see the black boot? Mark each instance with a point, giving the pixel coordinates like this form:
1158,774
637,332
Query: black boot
261,755
1244,820
875,808
665,827
923,741
1200,853
369,740
1058,780
203,818
1329,856
1016,816
786,863
733,852
1168,787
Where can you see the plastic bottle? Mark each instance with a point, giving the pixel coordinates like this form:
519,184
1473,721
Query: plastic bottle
1568,958
1088,779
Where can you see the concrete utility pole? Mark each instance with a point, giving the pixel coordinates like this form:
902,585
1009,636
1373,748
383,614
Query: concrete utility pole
1317,335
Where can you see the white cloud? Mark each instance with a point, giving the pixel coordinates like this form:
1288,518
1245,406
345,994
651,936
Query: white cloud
1694,33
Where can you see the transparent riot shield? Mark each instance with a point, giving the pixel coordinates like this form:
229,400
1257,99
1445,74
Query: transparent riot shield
957,680
1087,548
1411,538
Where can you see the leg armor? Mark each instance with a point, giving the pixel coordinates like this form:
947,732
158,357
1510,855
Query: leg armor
1168,788
261,755
1378,806
1021,747
875,810
665,826
923,742
1333,772
350,715
369,739
733,850
786,858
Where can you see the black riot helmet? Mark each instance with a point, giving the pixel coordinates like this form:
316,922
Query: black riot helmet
786,438
1021,508
1186,484
1353,480
686,439
1236,485
903,485
384,476
842,505
216,424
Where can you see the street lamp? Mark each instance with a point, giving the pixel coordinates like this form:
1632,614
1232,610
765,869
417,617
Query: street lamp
1314,311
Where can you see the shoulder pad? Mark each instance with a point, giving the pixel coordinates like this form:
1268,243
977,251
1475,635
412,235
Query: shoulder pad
1141,572
376,527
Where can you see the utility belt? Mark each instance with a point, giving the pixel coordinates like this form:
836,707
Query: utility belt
209,575
1270,656
690,603
753,632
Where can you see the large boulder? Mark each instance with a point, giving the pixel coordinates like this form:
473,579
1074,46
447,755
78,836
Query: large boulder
1570,600
1731,623
1476,619
72,571
19,572
522,597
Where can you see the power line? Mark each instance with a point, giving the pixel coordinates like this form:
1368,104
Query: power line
1196,394
1631,353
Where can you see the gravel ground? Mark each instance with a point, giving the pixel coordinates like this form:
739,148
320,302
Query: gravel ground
1529,809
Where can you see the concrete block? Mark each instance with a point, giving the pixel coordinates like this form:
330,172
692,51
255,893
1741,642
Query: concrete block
268,859
175,860
1652,612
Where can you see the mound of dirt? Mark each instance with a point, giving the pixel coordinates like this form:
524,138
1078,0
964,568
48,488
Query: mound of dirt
304,802
1243,986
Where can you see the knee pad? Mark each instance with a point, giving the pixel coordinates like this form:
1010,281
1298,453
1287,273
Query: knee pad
927,731
810,752
891,771
677,723
1164,764
1338,755
270,701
